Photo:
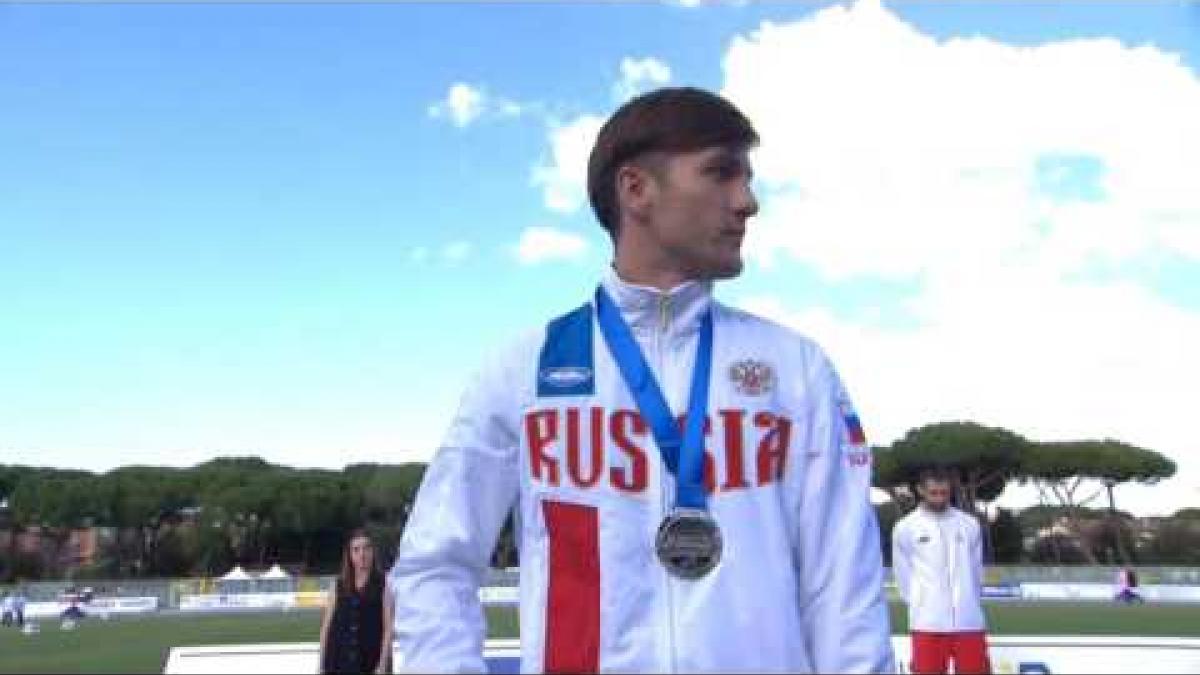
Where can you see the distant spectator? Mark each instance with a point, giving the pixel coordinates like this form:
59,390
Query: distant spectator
18,608
6,610
356,630
1127,583
72,612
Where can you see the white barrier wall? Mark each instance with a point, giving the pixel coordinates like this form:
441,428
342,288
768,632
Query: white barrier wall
1064,591
500,595
1010,654
222,601
97,607
510,596
490,595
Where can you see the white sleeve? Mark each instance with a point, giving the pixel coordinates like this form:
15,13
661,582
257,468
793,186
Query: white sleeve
465,496
902,562
845,618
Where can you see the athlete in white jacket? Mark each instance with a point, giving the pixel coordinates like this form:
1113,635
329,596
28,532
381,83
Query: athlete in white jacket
753,547
937,560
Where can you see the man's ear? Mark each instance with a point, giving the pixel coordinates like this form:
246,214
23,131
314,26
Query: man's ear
635,189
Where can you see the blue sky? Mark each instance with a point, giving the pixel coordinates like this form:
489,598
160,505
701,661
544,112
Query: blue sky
238,229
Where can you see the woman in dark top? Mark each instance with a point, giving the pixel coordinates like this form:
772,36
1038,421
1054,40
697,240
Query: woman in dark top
356,631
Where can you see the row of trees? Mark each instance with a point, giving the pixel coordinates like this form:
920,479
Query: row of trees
1068,476
1013,537
200,520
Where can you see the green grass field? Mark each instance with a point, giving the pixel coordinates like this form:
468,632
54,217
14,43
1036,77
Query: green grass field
140,645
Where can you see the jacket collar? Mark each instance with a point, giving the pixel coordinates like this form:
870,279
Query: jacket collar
646,308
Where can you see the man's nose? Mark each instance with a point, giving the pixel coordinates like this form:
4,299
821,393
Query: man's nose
746,204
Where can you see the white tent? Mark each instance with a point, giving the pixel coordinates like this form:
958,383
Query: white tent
276,572
236,574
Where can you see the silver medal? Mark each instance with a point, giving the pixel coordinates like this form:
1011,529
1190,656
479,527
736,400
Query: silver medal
688,543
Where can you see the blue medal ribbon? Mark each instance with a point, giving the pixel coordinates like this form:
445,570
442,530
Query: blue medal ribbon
684,456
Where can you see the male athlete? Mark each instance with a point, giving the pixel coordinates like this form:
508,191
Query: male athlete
937,556
691,481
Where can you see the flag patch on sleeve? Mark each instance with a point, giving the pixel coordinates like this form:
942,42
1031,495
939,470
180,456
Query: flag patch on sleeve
853,425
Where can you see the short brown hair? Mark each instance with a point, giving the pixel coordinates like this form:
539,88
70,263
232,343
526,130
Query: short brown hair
674,119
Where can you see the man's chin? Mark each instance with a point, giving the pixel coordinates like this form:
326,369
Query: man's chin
717,270
728,270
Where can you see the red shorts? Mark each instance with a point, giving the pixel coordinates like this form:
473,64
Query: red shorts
932,652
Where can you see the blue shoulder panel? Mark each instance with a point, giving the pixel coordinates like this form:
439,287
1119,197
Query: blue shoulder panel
565,365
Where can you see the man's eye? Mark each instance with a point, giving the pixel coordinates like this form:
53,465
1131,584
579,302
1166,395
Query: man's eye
723,171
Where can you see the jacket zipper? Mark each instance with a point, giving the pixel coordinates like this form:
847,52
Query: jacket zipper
949,560
660,336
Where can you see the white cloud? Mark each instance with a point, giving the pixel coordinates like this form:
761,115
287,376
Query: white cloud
456,251
638,75
419,254
1050,359
511,108
890,154
881,144
563,177
463,105
450,253
540,244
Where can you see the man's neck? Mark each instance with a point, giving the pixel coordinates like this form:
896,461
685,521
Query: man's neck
664,279
937,511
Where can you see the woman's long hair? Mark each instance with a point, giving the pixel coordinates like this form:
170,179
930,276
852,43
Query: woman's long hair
346,578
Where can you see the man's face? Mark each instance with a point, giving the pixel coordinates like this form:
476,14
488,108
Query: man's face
936,493
698,207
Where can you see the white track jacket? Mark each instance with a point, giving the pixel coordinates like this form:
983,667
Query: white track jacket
549,428
937,559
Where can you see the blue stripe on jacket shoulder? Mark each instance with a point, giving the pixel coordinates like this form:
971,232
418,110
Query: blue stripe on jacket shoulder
565,365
